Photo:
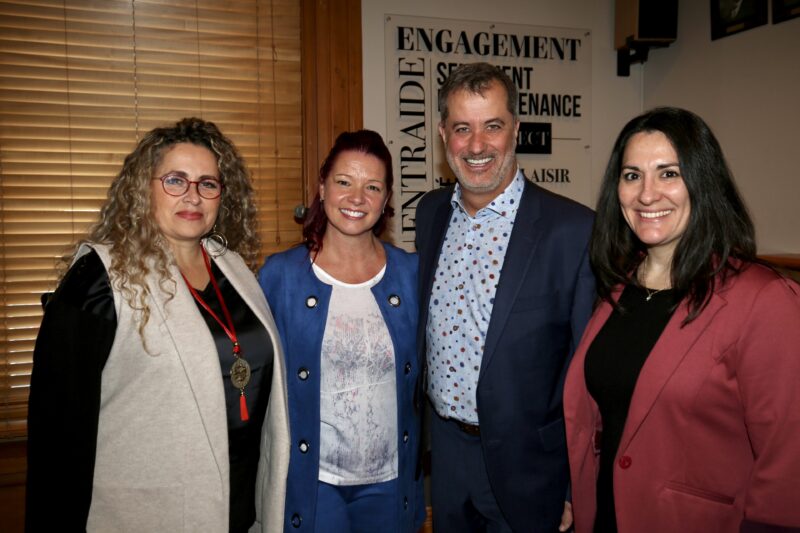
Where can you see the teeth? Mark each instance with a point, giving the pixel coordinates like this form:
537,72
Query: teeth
657,214
356,214
482,161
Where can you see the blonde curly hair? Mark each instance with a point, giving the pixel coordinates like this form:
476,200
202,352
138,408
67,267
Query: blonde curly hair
127,226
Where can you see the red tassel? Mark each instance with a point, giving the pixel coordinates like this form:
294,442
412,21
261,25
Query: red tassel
243,408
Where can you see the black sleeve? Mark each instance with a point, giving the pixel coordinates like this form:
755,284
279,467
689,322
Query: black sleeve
74,341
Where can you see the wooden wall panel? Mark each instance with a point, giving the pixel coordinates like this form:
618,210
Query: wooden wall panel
332,82
13,467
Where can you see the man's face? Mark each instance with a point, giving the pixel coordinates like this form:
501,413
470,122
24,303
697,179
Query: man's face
480,137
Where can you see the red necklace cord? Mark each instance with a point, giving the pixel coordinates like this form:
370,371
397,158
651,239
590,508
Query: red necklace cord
229,329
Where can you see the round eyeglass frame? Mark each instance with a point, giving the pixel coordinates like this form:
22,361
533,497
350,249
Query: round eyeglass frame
189,184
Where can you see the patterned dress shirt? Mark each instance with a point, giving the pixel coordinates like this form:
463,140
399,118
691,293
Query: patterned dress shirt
464,286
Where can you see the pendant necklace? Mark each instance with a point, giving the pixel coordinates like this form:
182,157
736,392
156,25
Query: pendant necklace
240,370
650,292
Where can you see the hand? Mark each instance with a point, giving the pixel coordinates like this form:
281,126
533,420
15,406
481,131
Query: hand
566,518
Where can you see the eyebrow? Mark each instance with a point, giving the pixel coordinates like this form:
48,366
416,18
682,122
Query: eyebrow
184,175
369,180
485,122
658,167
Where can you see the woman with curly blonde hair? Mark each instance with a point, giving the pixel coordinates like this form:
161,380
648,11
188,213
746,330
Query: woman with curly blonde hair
158,361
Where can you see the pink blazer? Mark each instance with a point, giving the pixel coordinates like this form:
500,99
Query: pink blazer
712,437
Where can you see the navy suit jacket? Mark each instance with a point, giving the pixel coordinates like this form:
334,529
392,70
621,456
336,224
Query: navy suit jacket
544,299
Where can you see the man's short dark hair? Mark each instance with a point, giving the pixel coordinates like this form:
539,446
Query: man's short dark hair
476,78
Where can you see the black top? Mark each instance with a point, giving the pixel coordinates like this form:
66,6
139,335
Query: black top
243,437
73,345
612,367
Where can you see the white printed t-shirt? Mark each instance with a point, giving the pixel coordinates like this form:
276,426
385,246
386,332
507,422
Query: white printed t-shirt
358,390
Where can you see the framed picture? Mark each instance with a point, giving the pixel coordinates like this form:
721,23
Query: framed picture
734,16
785,10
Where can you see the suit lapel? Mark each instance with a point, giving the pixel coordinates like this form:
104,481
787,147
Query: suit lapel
430,259
521,251
666,356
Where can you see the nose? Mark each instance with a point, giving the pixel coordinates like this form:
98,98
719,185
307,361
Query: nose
477,143
357,195
192,194
650,190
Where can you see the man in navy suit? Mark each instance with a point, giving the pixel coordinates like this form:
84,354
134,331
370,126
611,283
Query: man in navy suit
505,292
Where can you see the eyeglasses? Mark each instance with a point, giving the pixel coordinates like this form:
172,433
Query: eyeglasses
177,185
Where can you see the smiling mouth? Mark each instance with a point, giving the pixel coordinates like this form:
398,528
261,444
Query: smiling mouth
353,214
656,214
478,162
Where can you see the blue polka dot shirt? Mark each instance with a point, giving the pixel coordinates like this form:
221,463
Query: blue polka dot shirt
464,286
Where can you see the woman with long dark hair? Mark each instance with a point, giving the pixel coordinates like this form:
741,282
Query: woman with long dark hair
682,401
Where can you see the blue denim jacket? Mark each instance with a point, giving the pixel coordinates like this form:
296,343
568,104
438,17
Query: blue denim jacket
299,302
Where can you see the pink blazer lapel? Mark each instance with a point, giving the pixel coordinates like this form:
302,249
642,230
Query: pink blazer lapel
670,350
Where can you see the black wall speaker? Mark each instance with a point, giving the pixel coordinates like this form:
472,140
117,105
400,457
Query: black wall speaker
649,22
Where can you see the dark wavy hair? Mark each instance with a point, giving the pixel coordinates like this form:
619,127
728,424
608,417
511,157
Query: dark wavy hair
476,78
719,230
363,141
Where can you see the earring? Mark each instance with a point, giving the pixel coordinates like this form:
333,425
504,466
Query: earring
220,242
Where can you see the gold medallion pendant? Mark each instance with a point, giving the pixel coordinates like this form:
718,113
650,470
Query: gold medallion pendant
240,373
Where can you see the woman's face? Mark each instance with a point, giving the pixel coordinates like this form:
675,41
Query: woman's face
652,194
354,194
186,218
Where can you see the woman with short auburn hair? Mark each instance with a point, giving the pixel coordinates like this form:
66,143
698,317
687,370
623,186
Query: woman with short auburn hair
346,307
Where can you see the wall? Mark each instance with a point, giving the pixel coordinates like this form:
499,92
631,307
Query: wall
747,87
614,100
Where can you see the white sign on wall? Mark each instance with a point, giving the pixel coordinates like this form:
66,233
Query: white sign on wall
551,68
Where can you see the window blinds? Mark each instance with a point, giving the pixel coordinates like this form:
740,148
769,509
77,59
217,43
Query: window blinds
81,81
